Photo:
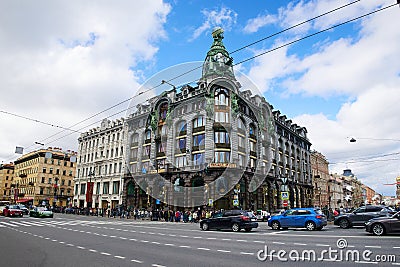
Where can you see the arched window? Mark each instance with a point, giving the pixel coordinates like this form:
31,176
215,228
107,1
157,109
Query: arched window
163,111
221,97
181,128
251,130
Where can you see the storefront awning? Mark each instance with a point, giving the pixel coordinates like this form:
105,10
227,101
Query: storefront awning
22,200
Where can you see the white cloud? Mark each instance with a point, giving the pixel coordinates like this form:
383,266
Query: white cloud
364,68
62,62
260,21
223,17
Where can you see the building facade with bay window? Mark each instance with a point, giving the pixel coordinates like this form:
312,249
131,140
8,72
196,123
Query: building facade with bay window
215,144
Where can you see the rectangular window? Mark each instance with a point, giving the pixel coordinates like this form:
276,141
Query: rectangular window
76,189
134,153
134,167
198,158
51,170
198,140
146,152
242,160
43,180
115,167
145,166
181,144
110,169
120,167
180,161
106,186
222,156
49,180
241,141
198,122
116,187
221,138
97,188
222,117
69,183
161,147
44,170
41,191
83,189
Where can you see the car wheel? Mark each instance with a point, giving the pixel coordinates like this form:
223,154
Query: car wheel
378,229
204,227
310,226
275,225
247,229
235,227
344,223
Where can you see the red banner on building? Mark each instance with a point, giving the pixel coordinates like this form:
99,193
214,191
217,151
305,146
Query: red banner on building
89,191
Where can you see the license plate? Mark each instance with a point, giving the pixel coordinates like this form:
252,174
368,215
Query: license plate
253,220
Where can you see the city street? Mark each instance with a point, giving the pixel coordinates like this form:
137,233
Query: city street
76,240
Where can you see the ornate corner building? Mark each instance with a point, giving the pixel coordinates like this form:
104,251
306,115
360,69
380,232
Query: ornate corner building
215,144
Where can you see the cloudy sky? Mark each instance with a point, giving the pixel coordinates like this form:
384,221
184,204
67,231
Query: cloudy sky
64,62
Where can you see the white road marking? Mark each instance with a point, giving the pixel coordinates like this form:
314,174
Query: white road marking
136,261
133,239
241,240
168,244
279,243
119,257
373,246
154,242
224,251
299,244
258,241
183,246
105,253
247,253
203,248
157,265
211,238
93,250
322,245
80,247
121,237
226,239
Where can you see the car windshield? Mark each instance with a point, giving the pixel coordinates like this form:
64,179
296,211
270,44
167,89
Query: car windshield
13,207
396,215
42,209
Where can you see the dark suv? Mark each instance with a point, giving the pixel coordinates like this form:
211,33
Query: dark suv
359,216
230,219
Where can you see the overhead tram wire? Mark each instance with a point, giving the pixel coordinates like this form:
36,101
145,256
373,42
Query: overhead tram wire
38,121
315,33
248,59
294,26
189,71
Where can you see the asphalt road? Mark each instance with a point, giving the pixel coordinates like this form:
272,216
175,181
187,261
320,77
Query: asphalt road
76,240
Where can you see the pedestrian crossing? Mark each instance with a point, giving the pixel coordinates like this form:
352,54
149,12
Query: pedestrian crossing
44,222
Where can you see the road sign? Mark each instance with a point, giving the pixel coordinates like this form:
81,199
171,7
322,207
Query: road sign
235,202
210,201
285,203
285,195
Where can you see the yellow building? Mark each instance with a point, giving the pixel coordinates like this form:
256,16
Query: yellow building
45,177
6,181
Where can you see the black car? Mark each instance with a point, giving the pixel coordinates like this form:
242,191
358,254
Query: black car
230,219
359,216
24,209
384,225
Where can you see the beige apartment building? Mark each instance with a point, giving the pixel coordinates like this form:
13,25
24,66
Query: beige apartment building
321,177
6,181
45,177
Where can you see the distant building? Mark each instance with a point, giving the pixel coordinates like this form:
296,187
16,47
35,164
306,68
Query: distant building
45,177
320,174
6,181
398,187
101,166
335,191
370,195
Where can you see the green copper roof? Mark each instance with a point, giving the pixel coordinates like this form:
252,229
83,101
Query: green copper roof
218,62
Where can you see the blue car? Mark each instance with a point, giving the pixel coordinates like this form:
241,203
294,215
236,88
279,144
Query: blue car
309,218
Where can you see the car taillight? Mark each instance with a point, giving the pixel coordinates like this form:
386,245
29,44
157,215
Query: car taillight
245,218
320,216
